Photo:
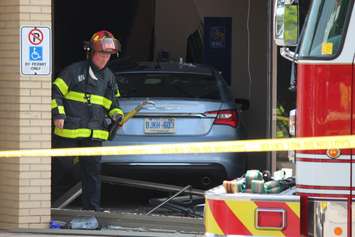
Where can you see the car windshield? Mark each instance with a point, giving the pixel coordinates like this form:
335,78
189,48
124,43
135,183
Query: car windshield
325,28
175,85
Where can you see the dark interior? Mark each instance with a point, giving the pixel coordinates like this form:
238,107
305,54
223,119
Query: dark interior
75,21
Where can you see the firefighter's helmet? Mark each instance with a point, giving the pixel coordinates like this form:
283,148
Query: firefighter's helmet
104,41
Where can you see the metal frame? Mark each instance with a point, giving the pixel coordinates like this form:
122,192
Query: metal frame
75,191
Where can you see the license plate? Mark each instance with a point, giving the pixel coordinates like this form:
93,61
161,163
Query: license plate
159,125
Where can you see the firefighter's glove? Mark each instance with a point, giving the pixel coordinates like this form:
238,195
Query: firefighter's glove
117,118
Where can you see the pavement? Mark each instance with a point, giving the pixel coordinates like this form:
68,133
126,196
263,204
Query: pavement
13,234
93,233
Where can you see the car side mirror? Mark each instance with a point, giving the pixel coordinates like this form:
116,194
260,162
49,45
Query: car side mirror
244,103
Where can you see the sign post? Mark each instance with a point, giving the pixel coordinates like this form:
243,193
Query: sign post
36,51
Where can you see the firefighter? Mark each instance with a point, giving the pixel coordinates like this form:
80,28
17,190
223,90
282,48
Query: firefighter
85,96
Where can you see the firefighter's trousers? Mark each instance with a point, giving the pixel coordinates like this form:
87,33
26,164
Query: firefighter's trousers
90,169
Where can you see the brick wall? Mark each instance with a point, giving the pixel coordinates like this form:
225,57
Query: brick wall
25,122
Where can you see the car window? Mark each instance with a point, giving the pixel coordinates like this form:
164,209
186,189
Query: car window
175,85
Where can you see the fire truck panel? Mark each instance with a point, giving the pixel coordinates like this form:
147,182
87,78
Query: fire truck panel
247,214
328,218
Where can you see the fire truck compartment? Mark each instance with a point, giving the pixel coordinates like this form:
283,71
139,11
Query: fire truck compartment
251,214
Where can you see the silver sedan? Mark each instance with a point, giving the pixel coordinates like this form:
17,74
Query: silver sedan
188,103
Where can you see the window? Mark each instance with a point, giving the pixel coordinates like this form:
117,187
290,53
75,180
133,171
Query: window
175,85
325,29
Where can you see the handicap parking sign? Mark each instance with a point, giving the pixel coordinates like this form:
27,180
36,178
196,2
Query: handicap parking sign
36,53
36,50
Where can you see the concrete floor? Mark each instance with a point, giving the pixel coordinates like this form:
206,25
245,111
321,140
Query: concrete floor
11,234
79,233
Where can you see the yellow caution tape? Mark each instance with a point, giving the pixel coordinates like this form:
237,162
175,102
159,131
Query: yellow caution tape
259,145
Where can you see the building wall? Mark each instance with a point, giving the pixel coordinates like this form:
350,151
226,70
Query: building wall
25,122
140,39
175,20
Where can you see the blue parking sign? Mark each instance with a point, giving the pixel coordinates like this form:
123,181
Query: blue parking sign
36,53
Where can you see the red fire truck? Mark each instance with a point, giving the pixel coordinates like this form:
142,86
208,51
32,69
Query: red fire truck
325,179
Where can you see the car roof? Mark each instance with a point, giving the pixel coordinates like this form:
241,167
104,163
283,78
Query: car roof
161,67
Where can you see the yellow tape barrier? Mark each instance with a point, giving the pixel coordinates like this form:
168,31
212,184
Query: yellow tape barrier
259,145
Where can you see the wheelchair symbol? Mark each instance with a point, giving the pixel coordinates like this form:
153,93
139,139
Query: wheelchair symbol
36,54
